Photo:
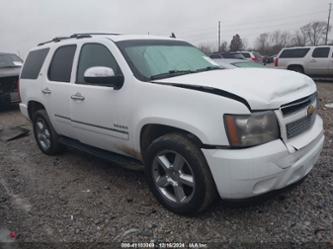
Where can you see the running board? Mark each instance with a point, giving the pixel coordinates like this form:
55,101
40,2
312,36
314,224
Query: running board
120,160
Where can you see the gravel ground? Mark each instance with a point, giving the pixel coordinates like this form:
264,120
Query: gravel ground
79,198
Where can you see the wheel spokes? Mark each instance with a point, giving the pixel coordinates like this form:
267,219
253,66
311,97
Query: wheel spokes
40,126
47,133
179,193
179,162
173,177
187,180
164,162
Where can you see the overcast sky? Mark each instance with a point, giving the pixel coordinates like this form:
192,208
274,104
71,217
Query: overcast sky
24,23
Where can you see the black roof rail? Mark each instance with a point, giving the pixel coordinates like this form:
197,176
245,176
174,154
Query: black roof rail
56,39
76,35
90,34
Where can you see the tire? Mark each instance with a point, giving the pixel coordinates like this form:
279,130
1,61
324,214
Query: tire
45,135
186,166
298,69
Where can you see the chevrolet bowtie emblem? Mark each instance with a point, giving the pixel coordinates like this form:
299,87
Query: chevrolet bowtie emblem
311,110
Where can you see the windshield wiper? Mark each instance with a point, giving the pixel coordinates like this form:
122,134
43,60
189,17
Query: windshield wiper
171,73
210,68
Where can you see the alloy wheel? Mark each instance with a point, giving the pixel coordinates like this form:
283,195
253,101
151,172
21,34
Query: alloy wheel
173,177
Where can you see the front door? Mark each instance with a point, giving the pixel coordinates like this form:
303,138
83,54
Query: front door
319,62
95,110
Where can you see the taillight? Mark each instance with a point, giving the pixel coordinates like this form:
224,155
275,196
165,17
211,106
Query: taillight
18,89
276,62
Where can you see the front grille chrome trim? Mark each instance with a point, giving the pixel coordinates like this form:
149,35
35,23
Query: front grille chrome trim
300,126
298,105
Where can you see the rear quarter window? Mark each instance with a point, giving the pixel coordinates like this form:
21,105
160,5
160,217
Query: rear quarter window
294,53
321,52
34,63
60,69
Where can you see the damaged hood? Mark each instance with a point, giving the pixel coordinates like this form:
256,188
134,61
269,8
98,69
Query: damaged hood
262,88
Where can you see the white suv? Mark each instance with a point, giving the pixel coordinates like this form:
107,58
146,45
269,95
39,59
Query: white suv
314,61
199,130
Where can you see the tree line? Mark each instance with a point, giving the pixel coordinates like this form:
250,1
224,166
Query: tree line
270,43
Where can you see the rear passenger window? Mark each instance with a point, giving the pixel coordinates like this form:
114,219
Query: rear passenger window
321,53
34,63
294,53
95,55
61,65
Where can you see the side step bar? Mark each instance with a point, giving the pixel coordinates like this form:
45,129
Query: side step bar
119,160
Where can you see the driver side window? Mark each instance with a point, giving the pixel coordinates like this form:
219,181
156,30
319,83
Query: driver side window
95,55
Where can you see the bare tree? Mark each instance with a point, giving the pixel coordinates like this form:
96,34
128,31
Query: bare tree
245,43
262,42
315,32
206,48
280,38
224,47
298,38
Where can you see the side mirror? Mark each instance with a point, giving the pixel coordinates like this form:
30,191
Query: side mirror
103,76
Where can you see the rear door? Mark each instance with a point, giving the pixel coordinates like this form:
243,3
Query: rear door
318,63
57,91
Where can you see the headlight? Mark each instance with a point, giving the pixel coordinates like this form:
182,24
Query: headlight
250,130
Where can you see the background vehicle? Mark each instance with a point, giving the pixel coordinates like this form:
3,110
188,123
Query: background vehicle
199,130
10,66
252,55
227,55
235,63
268,59
314,61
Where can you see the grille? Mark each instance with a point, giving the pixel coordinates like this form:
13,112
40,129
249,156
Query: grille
298,105
299,126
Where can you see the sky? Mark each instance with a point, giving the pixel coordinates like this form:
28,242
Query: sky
25,23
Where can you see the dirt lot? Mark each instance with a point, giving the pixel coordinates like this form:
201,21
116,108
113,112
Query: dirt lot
76,197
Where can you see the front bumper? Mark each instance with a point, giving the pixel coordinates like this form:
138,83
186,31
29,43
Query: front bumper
241,174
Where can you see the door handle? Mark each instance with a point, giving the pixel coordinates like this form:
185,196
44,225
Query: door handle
313,61
46,91
78,96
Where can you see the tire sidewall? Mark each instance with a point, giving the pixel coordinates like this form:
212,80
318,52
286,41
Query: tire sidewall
297,69
41,114
196,161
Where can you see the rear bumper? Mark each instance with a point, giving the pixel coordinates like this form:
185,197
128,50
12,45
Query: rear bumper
24,110
241,174
9,98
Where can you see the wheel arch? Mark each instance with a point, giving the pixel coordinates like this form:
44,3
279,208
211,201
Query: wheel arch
295,65
34,106
151,131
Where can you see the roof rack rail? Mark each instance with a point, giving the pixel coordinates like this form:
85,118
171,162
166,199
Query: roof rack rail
56,39
76,35
90,34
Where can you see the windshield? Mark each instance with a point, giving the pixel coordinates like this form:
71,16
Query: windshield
248,64
10,60
159,59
